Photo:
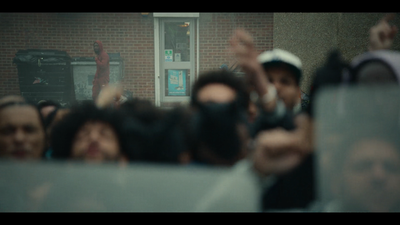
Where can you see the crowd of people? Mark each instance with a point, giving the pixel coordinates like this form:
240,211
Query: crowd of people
254,125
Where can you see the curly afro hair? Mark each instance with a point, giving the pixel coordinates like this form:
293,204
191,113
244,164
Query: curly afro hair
64,132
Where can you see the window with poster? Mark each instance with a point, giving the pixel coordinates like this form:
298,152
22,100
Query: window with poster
176,58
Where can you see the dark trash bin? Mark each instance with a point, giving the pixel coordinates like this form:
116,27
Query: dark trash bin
45,75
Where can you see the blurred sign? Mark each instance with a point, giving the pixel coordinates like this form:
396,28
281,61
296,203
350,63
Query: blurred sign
168,55
177,57
176,82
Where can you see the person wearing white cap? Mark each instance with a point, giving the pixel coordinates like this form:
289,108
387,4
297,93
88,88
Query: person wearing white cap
284,71
281,142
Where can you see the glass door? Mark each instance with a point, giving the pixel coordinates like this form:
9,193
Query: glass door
176,59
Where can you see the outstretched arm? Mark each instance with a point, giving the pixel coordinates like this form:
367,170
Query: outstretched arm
242,46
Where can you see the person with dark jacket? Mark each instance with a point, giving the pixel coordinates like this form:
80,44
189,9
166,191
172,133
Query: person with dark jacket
101,77
219,102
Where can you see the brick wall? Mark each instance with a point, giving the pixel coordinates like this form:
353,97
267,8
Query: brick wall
217,28
75,34
130,34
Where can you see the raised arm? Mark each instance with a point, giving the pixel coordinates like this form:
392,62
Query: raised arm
242,46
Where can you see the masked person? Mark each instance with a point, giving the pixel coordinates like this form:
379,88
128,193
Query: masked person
219,101
101,77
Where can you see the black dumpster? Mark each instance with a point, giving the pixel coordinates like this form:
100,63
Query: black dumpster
45,75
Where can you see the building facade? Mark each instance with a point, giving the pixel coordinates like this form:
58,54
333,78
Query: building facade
162,53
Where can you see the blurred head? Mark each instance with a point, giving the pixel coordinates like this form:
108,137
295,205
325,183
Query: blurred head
47,106
221,102
370,176
22,134
11,98
142,109
155,135
375,72
377,67
97,47
96,141
52,119
284,72
90,134
219,86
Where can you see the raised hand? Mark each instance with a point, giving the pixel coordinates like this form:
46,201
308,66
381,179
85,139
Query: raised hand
278,151
381,35
242,46
110,94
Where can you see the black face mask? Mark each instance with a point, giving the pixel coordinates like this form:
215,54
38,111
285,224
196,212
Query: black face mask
215,127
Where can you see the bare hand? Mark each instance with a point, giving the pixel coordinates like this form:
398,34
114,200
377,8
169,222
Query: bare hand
109,94
382,34
278,151
242,46
274,153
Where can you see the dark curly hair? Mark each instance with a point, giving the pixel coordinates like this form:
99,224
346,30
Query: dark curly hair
64,131
221,77
154,134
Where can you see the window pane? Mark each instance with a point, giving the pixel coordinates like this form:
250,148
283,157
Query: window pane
177,42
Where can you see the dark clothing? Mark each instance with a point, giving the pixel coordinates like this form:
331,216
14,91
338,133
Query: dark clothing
270,120
296,189
102,76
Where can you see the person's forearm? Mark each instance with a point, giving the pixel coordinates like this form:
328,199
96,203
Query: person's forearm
265,90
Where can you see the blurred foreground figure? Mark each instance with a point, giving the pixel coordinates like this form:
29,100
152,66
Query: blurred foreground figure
368,176
89,134
155,135
47,106
22,134
49,122
11,98
279,168
377,67
358,149
282,133
220,102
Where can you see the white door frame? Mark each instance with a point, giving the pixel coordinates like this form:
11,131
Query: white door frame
157,16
